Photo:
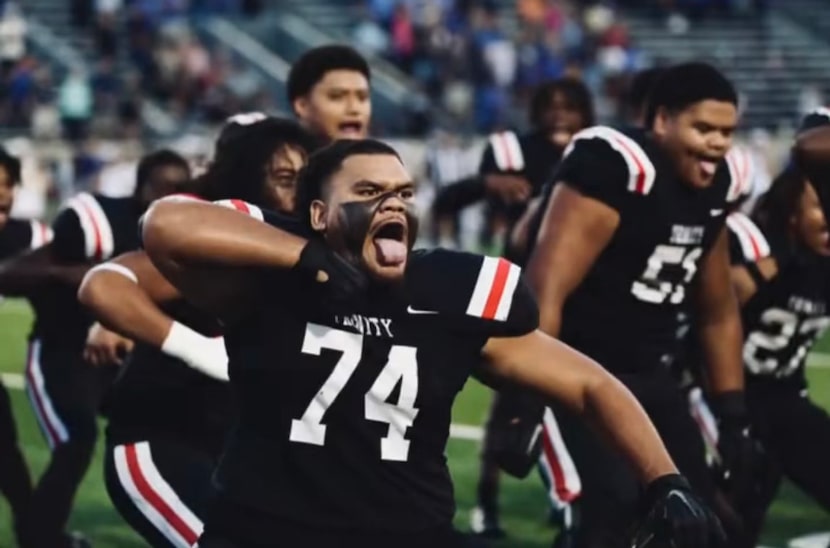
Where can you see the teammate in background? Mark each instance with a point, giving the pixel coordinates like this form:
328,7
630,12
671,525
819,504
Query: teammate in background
328,90
16,236
171,407
346,369
64,390
781,268
513,170
632,235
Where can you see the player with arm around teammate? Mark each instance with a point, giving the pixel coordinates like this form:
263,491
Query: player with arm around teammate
781,272
631,237
349,351
172,405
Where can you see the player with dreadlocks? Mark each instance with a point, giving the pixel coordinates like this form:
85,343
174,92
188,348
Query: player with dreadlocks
171,407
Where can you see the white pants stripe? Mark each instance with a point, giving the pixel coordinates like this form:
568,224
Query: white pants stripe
53,428
154,497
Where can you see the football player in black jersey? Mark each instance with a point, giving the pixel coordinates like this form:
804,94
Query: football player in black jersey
513,170
347,350
328,90
16,236
781,271
64,390
631,236
171,406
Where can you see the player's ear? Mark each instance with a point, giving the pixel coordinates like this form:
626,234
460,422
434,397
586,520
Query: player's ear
300,106
661,121
318,212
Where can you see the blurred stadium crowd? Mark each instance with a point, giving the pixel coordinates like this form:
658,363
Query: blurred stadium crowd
477,60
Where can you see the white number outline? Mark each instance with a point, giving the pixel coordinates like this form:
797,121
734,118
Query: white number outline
401,368
651,289
789,325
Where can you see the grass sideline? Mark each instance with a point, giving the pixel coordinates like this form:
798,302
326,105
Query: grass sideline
523,502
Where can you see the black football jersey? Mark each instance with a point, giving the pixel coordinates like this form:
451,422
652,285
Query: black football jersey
89,229
628,311
345,409
20,235
531,155
788,312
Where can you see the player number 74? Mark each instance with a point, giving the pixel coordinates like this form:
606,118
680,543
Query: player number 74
401,366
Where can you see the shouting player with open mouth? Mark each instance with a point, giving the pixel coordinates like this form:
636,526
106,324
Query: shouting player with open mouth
347,349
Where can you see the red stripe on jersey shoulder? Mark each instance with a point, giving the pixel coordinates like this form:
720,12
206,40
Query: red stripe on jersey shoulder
641,170
243,207
753,243
739,162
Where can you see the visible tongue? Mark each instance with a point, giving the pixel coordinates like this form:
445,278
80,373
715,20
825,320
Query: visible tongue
708,167
390,252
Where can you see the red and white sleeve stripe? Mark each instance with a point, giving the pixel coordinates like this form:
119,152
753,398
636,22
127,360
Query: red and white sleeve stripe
507,151
98,237
493,293
243,207
739,162
753,243
641,170
41,234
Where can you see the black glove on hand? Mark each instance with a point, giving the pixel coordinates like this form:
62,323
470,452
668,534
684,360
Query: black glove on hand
740,454
676,518
516,432
344,279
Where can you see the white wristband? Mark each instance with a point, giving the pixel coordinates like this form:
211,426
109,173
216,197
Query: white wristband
204,354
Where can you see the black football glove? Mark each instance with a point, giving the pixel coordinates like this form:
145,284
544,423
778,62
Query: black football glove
344,279
516,431
740,454
675,518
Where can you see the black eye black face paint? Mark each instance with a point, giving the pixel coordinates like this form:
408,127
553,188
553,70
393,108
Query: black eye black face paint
355,219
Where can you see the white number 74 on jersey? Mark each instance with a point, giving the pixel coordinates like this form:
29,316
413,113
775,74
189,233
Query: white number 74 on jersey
401,365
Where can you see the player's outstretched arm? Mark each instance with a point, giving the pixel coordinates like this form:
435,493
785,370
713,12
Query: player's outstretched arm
124,293
558,372
135,313
24,274
673,514
574,231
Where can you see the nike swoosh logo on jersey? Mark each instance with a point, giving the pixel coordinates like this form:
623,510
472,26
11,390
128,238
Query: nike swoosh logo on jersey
715,212
416,311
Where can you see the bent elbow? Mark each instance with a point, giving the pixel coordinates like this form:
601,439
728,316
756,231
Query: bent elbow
159,227
93,289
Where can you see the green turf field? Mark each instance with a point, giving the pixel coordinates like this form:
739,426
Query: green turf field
524,507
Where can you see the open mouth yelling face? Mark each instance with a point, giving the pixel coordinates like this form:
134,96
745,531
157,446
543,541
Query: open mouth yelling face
369,214
388,246
339,106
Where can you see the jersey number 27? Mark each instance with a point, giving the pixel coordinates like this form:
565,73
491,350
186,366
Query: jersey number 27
401,367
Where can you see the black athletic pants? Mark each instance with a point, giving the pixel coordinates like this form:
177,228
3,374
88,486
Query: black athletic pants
65,394
796,435
231,526
15,482
608,505
161,488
